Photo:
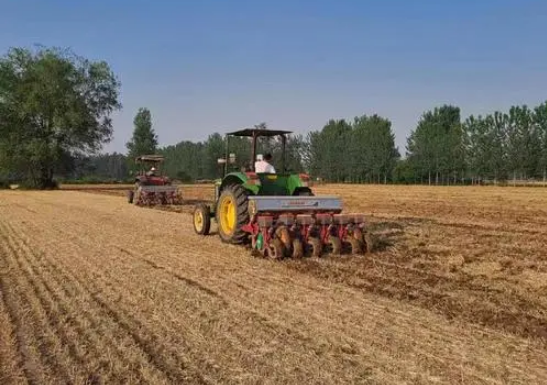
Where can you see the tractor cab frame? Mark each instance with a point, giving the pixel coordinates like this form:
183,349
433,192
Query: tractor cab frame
152,189
146,162
282,183
254,134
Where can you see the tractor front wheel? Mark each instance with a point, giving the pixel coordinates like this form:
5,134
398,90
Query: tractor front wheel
202,219
232,214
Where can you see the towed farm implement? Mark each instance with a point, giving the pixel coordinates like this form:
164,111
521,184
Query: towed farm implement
277,214
151,186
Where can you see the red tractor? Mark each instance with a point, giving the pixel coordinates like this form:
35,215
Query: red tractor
152,187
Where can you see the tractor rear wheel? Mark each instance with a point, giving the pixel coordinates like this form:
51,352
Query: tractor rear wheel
232,213
202,219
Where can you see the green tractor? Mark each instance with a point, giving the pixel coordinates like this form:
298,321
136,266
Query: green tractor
277,214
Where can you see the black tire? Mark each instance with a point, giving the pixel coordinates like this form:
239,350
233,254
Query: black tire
130,195
239,196
204,226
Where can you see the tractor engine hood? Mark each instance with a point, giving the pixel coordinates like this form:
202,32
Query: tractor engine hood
294,204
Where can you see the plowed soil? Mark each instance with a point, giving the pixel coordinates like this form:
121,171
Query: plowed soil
95,290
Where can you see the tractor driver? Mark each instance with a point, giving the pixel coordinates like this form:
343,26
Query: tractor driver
263,165
152,172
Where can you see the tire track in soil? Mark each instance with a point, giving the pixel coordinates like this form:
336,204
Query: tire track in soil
152,349
24,361
18,291
11,362
273,327
159,356
156,352
97,336
164,358
186,280
56,315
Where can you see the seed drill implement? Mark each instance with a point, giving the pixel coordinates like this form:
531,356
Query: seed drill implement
277,214
152,187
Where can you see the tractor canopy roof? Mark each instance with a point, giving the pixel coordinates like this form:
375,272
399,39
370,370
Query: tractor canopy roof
149,159
258,132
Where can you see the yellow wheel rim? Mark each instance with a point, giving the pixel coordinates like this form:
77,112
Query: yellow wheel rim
198,220
227,214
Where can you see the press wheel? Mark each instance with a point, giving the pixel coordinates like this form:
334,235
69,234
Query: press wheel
316,246
336,245
356,246
369,242
297,248
276,249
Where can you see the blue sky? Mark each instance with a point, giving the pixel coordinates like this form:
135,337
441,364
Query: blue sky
212,65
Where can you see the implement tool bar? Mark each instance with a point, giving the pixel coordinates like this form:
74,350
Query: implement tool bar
295,203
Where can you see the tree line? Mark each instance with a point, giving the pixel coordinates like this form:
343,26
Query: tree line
55,116
443,148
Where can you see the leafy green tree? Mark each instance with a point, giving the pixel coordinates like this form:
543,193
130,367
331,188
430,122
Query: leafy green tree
435,149
54,106
372,148
403,172
144,140
477,146
326,151
523,143
540,122
497,159
215,148
294,148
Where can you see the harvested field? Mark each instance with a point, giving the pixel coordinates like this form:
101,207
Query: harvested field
94,289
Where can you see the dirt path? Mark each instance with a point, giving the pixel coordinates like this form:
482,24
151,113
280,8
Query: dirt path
93,289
